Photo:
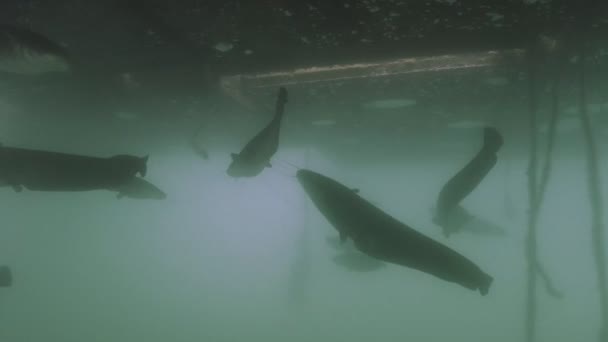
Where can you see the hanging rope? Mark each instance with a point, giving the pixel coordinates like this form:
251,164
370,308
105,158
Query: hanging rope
546,171
299,277
537,191
530,246
595,195
547,168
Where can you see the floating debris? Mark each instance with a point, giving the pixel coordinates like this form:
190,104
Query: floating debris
6,276
466,124
495,16
390,103
324,122
351,141
498,81
129,82
565,125
592,108
126,116
223,46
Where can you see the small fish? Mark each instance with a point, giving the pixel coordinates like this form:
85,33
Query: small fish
6,276
358,262
256,155
29,53
448,213
380,236
138,188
